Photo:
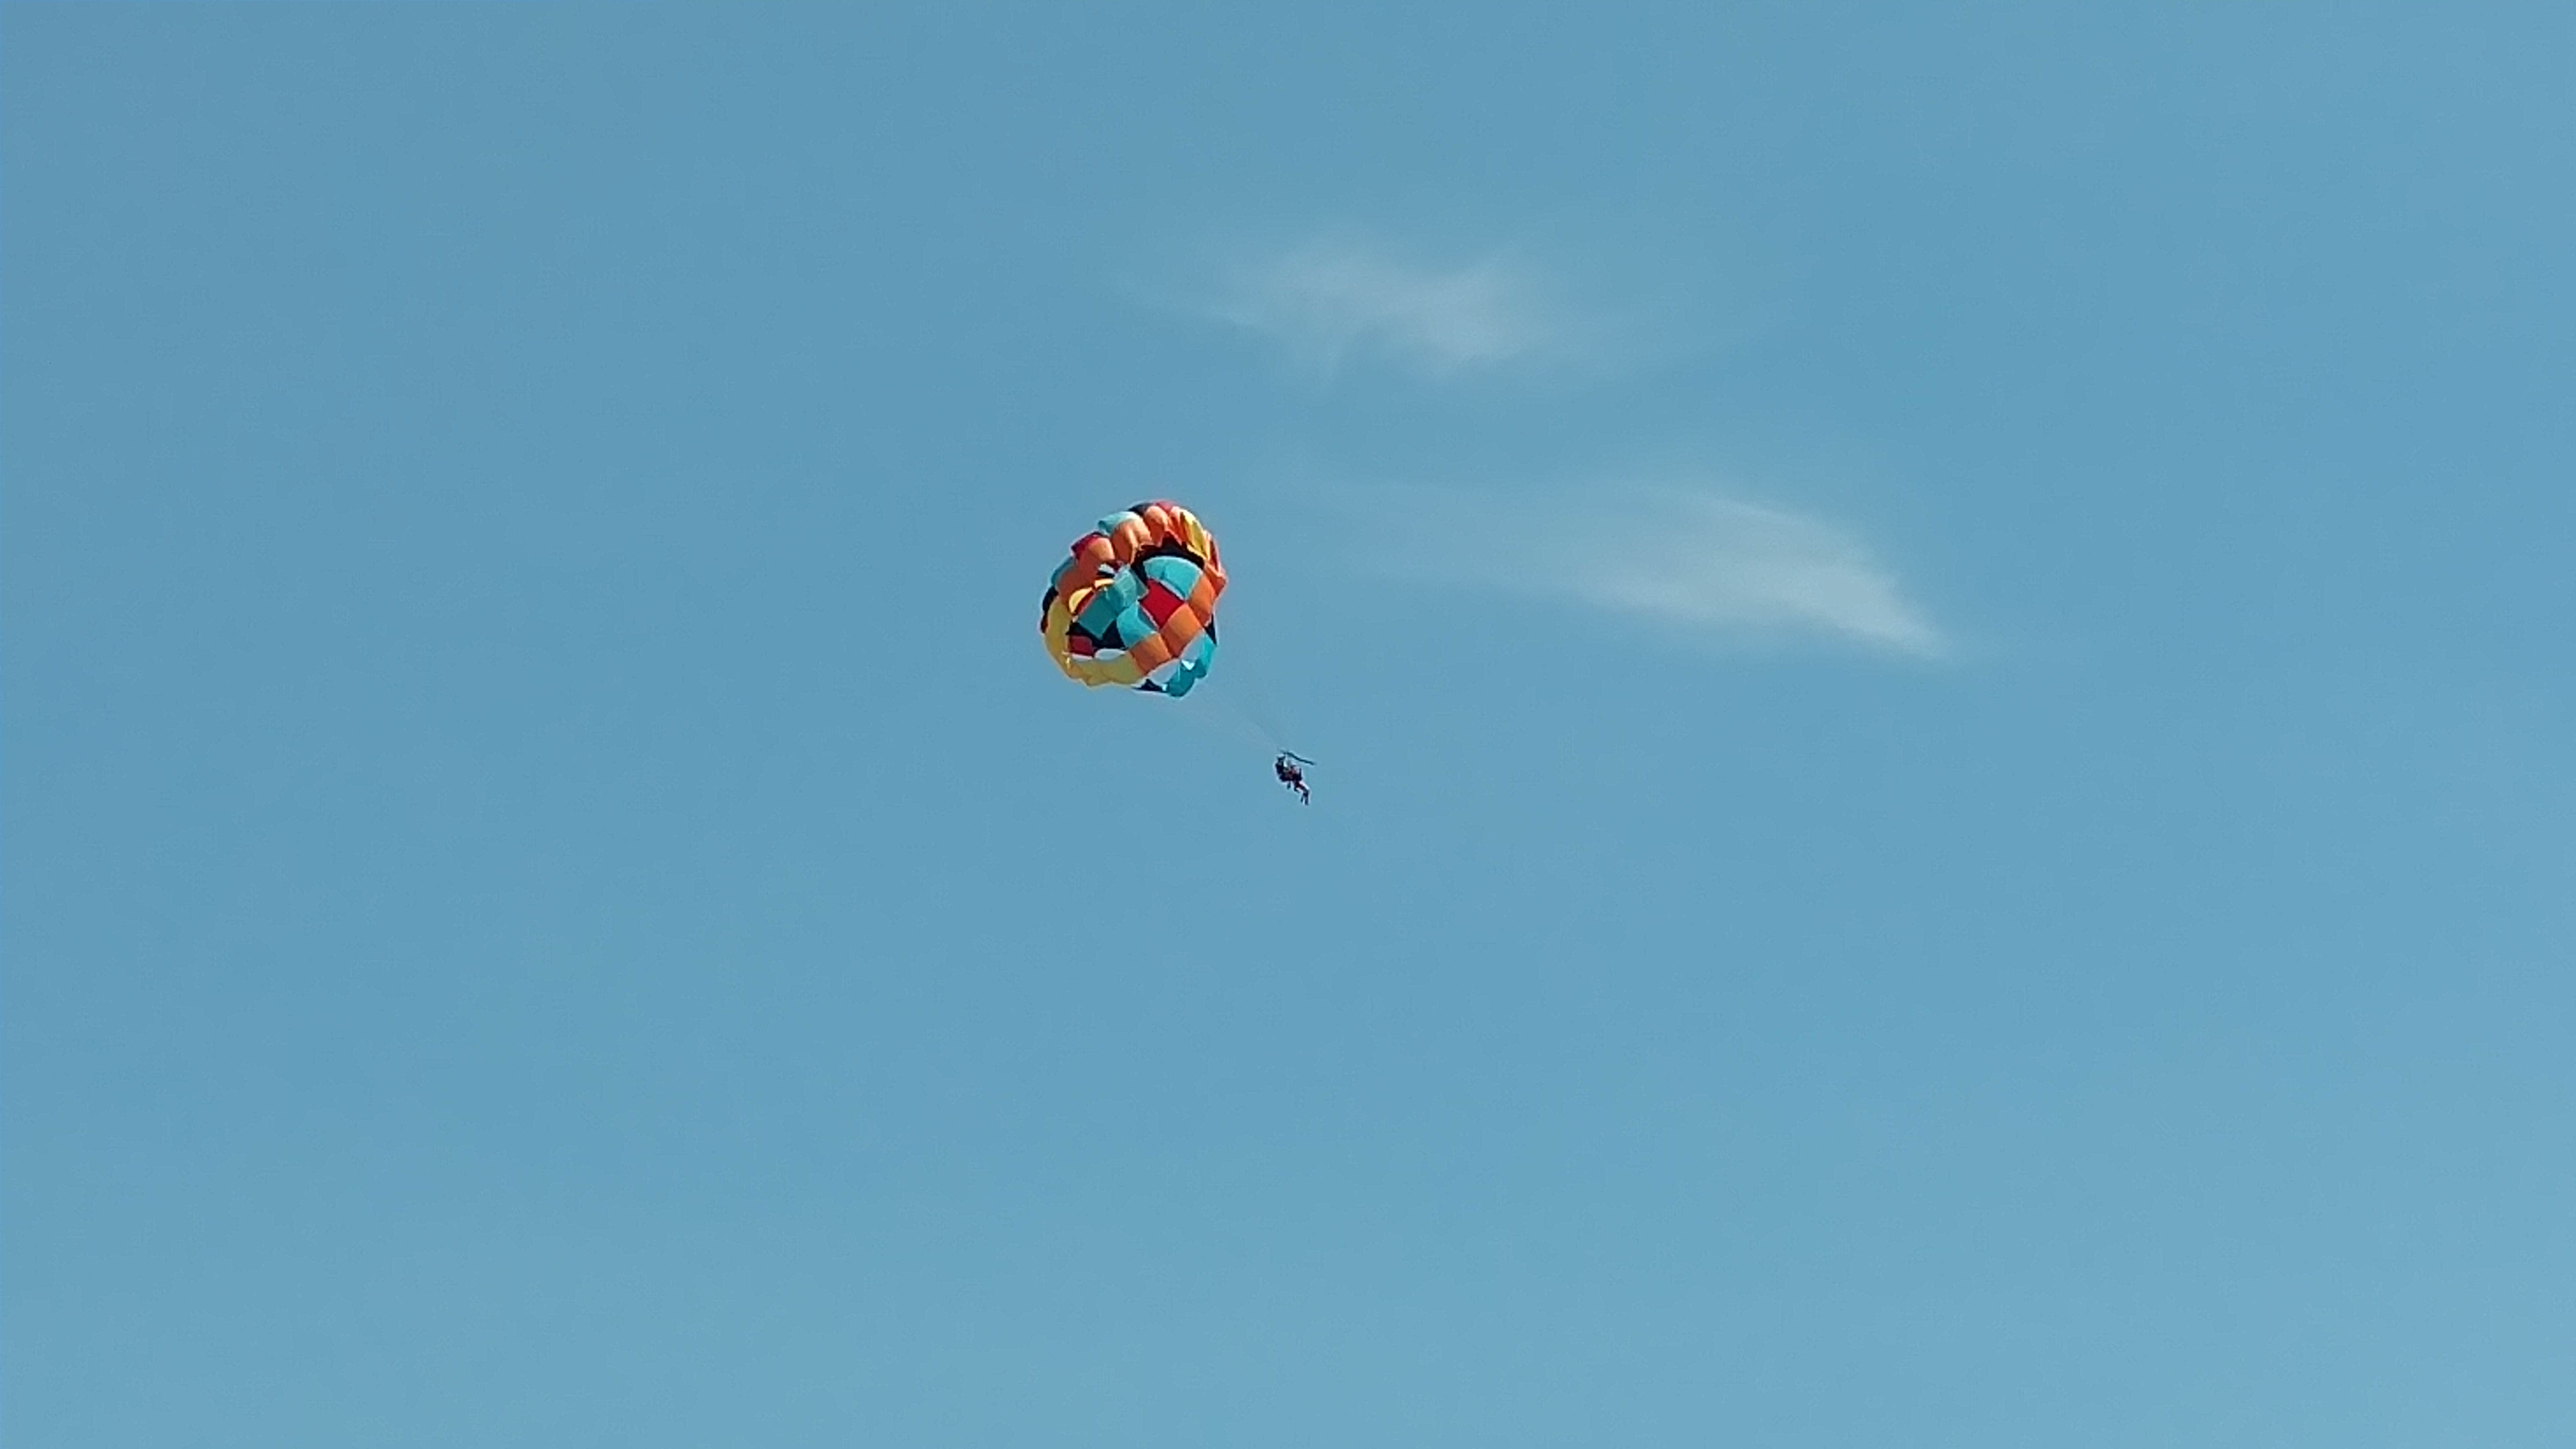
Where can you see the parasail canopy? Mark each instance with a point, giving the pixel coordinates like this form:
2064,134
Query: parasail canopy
1135,604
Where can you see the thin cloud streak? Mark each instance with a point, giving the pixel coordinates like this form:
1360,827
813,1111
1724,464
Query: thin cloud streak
1332,301
1703,562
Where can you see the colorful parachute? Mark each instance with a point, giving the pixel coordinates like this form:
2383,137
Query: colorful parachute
1136,603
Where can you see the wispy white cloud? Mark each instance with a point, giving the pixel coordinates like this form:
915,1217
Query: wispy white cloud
1697,560
1342,298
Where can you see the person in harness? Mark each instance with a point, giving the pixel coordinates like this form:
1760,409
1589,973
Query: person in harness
1291,776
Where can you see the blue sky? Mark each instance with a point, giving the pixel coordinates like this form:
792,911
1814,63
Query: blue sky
1939,642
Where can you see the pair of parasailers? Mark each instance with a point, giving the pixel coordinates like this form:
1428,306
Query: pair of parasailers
1286,767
